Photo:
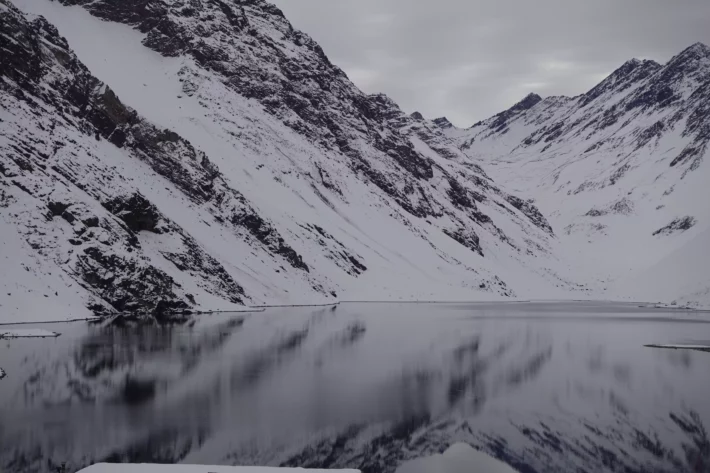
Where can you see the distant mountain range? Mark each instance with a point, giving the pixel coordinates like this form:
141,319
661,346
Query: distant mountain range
619,171
170,156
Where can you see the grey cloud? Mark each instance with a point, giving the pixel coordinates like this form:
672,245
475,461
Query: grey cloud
469,59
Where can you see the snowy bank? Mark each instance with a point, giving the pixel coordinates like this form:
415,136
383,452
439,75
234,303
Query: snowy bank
27,333
459,458
150,468
682,347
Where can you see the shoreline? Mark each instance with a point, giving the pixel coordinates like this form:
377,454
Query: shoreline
655,306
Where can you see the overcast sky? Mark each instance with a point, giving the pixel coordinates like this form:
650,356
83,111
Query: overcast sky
469,59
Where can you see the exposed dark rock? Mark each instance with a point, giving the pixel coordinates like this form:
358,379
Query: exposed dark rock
596,213
125,285
621,79
336,251
195,260
91,222
656,96
689,152
500,121
677,225
530,211
654,131
57,208
620,207
459,195
467,238
443,123
136,212
137,392
267,235
618,174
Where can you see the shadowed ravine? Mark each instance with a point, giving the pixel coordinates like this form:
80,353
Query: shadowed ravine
545,387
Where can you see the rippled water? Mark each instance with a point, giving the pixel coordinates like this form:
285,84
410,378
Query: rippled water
544,386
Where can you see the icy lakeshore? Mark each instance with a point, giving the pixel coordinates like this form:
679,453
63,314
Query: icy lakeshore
459,458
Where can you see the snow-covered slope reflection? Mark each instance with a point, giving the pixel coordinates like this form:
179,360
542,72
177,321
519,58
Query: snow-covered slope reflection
542,386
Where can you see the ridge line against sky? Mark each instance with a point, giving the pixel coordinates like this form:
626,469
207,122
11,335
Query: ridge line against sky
470,59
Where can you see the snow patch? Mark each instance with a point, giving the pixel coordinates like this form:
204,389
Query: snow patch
459,458
27,333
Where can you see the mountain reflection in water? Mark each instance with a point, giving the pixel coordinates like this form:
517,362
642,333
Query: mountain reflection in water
546,387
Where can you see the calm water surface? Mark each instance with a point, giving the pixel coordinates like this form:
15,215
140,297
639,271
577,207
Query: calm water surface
546,387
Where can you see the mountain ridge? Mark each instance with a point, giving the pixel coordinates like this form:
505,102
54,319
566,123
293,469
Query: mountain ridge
627,154
238,166
235,164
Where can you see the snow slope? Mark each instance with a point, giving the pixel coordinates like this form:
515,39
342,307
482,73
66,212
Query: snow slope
459,458
619,171
680,277
208,156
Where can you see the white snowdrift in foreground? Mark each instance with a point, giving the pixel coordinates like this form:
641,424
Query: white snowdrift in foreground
150,468
27,333
459,458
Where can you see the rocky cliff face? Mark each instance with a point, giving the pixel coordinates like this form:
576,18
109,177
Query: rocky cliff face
619,170
204,154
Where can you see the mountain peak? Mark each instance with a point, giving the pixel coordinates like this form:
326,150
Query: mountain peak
443,123
697,51
528,102
692,62
622,78
417,116
699,47
500,121
634,63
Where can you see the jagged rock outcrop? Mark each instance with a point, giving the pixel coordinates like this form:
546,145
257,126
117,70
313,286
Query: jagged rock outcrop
443,123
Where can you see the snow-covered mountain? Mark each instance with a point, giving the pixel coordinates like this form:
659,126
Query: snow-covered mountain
162,155
619,171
